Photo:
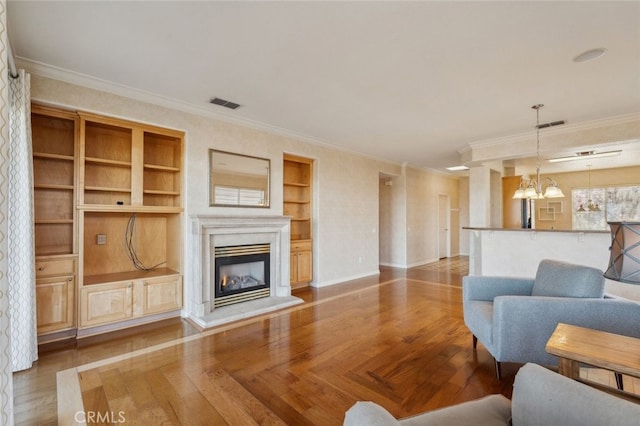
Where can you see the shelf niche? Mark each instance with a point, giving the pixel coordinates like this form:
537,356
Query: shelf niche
298,193
53,135
162,157
155,240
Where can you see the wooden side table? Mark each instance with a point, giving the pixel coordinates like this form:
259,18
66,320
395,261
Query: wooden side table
574,345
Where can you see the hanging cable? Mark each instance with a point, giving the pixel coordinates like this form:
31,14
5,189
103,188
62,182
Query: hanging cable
131,250
538,183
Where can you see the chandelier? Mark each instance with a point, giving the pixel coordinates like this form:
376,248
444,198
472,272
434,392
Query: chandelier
533,189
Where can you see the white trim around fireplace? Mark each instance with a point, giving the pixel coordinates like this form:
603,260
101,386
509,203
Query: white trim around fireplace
210,231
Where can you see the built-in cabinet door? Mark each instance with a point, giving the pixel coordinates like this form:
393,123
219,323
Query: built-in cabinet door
106,303
161,294
301,263
55,305
301,268
55,293
102,304
305,262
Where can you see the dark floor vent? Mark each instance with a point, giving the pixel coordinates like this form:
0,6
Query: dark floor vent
224,103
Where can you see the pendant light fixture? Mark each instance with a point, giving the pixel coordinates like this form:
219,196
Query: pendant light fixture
591,207
533,189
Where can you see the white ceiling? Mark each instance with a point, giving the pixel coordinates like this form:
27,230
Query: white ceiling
409,82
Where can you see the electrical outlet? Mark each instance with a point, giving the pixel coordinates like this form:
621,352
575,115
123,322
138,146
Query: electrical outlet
101,239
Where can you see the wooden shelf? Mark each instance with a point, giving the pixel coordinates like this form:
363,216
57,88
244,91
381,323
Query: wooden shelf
127,276
299,184
297,201
51,156
153,191
53,221
54,250
161,168
127,208
298,239
107,162
106,189
53,186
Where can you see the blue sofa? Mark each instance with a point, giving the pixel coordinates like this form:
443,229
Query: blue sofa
513,318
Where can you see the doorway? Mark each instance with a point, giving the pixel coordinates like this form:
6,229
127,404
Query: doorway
444,226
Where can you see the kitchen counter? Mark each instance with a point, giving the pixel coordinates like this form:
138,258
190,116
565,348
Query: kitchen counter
517,252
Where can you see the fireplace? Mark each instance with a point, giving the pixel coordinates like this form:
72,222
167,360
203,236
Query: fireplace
241,273
213,234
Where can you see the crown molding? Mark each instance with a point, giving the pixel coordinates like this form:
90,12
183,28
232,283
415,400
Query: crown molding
72,77
560,130
55,73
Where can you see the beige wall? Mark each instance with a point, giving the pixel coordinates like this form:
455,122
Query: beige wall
393,221
346,185
423,189
350,204
574,180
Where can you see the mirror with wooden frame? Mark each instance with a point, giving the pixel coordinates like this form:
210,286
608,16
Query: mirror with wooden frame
238,180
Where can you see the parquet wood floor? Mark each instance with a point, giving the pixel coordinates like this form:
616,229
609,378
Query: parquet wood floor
397,339
401,343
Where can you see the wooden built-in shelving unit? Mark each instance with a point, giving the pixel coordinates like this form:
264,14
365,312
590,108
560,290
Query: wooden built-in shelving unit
54,145
93,176
130,176
298,203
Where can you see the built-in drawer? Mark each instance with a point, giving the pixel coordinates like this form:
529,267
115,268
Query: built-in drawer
55,267
301,245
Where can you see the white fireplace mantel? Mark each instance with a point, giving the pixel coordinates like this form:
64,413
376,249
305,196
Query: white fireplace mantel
211,231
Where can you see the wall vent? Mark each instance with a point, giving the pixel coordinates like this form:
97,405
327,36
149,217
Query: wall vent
225,103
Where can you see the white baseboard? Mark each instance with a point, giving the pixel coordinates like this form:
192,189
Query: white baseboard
412,265
422,262
393,265
345,279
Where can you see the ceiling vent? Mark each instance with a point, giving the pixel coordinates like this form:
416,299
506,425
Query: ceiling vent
553,123
225,103
583,155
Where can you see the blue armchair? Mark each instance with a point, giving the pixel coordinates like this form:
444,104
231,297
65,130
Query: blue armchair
514,317
540,398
